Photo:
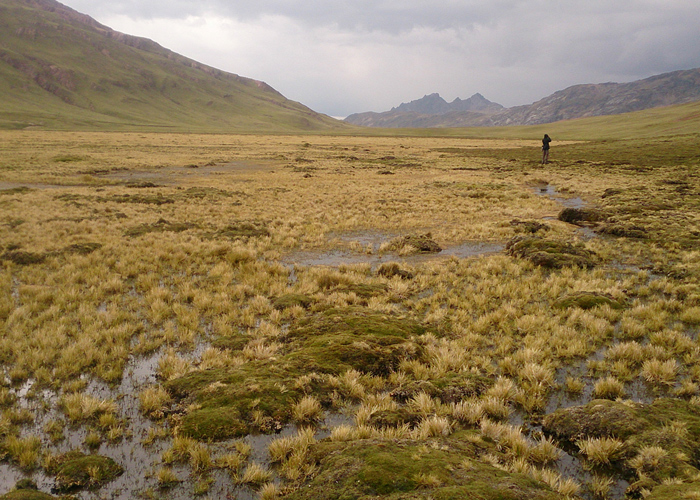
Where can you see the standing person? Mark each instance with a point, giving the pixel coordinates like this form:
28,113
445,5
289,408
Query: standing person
545,149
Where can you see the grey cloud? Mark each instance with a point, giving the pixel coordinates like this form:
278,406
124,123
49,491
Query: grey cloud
344,56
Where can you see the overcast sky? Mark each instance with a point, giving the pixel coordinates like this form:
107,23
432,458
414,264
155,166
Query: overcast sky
347,56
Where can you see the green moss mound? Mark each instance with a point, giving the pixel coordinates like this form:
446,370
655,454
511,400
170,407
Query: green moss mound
580,215
394,418
661,440
589,300
77,471
23,258
234,402
423,243
223,422
291,300
26,490
391,269
604,418
623,230
161,226
550,254
26,494
599,418
358,322
145,199
231,342
451,388
244,230
403,469
337,340
260,396
16,190
82,248
363,290
528,226
675,491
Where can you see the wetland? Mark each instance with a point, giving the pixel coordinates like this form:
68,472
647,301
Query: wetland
266,316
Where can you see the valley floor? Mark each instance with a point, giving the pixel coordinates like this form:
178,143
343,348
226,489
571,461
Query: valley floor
348,317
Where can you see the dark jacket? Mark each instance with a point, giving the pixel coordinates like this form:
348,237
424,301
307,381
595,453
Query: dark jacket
545,142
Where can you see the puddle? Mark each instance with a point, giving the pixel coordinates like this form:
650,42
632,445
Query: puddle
172,175
140,461
335,258
137,459
6,186
571,467
551,192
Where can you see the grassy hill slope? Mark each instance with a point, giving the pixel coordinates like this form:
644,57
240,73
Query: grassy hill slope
680,120
60,69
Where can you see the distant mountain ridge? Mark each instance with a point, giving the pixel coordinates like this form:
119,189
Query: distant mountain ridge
436,105
578,101
430,111
62,69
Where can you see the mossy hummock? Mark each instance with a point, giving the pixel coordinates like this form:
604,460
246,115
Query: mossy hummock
671,425
449,469
259,396
75,471
551,254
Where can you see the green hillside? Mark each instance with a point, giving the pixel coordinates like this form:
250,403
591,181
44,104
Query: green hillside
60,69
679,120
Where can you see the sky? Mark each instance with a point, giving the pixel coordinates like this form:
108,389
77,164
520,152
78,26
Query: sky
349,56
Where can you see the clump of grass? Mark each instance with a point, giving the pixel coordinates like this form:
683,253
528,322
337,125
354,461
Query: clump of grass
660,372
433,427
166,478
7,398
574,385
93,441
608,388
282,448
691,315
153,399
269,491
544,452
566,487
601,451
496,408
427,480
600,486
648,459
255,475
202,485
55,430
687,389
230,461
80,406
171,366
179,450
199,458
509,437
468,411
24,451
342,433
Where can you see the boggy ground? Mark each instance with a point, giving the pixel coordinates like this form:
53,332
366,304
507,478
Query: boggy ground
156,328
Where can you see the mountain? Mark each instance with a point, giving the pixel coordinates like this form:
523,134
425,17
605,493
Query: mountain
62,69
430,111
578,101
434,104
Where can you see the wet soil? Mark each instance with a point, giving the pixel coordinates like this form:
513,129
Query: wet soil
140,461
364,248
551,192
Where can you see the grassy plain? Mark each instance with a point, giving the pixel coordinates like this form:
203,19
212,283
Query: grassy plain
277,280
